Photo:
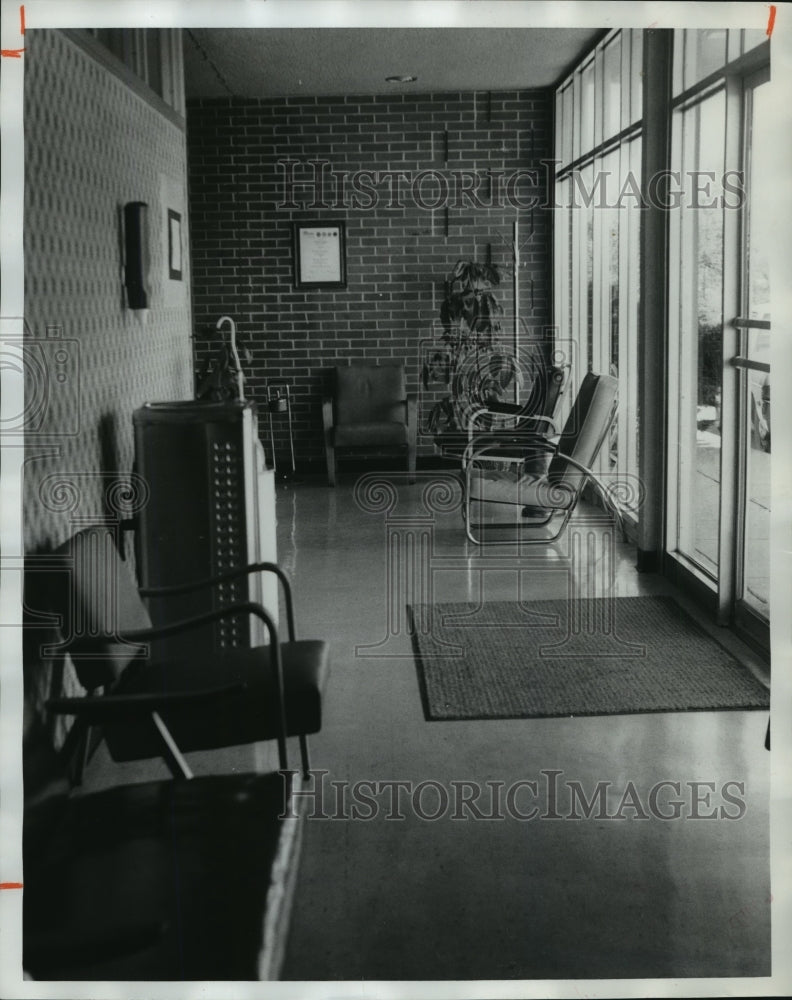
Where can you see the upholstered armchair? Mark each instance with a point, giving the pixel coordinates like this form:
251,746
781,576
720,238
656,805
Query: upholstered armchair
369,411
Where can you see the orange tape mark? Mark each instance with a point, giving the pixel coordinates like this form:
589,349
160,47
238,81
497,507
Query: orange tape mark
10,885
771,20
15,54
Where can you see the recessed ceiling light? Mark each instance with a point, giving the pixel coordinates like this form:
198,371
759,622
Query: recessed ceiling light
400,79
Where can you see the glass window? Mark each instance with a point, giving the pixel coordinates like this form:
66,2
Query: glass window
597,226
699,53
567,123
752,38
629,287
679,62
152,54
635,85
562,227
611,88
587,108
154,60
756,382
697,318
707,54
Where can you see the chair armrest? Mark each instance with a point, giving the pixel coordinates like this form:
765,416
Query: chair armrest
520,424
99,709
503,451
230,610
512,409
477,415
494,410
142,635
553,427
234,574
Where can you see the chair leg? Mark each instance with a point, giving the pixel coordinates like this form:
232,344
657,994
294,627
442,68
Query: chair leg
331,464
412,436
77,750
306,763
329,439
411,449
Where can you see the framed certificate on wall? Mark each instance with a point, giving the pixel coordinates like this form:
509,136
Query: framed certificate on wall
319,255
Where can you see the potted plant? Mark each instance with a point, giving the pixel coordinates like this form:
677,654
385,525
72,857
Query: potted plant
472,363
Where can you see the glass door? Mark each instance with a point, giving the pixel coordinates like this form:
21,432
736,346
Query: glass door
697,321
719,421
752,365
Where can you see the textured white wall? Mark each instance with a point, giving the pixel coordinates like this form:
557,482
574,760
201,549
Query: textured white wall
92,144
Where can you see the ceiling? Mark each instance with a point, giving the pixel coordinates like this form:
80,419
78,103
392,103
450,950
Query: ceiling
285,62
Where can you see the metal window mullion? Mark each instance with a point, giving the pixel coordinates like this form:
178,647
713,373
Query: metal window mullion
599,280
167,68
624,282
140,57
625,68
748,62
558,107
578,278
672,374
732,464
687,345
598,70
176,70
561,271
582,160
634,293
741,363
680,248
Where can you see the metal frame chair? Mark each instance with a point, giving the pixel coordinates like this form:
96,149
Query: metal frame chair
500,420
222,697
511,479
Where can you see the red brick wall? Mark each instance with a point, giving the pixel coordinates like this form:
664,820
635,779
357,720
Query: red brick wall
398,251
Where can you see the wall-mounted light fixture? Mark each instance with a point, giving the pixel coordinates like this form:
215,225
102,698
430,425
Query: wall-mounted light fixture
135,254
401,79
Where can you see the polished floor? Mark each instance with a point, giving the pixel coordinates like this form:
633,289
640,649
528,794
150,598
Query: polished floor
402,889
400,894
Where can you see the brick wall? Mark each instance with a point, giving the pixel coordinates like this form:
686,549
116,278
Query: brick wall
403,233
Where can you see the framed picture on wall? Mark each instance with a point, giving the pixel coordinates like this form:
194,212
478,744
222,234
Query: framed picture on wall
174,245
319,254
